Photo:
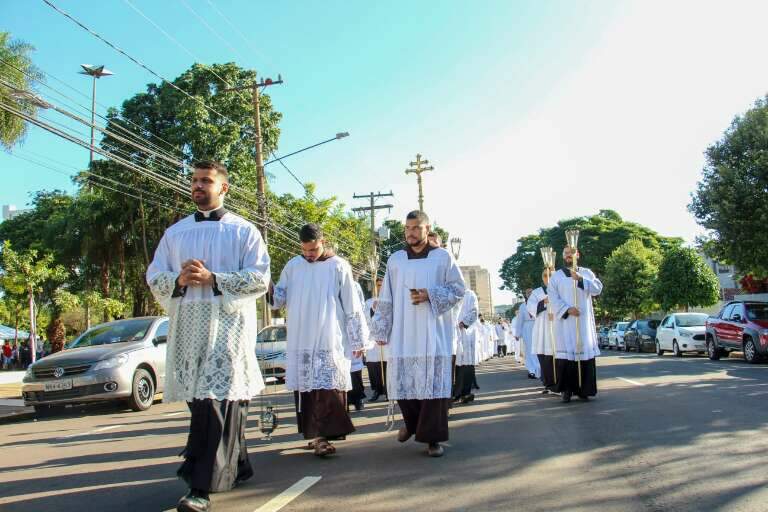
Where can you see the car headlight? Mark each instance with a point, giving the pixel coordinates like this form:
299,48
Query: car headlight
112,362
686,334
645,337
29,374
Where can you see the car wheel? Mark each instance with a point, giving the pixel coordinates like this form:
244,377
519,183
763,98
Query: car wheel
676,349
750,351
143,392
712,351
659,352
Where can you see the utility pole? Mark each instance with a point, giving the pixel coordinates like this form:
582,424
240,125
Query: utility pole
261,182
417,169
372,212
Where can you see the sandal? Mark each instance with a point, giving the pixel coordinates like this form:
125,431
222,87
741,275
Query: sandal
323,448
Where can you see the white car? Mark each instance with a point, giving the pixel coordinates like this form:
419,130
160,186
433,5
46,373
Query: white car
270,351
616,335
682,332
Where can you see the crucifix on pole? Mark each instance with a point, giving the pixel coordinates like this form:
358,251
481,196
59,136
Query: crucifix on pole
417,168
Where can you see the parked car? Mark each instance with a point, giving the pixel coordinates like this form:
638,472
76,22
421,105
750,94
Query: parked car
602,337
739,326
121,360
641,335
681,333
616,336
271,344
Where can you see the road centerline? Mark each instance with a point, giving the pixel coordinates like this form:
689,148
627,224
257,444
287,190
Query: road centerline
288,495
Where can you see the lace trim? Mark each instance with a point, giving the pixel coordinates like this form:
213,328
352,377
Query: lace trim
243,283
443,298
419,378
381,325
470,317
309,369
163,284
211,354
279,297
357,331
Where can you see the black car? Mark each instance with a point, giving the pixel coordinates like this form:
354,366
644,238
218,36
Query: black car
641,334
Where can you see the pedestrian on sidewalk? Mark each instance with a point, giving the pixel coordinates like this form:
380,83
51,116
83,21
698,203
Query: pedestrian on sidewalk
326,331
7,353
421,285
207,273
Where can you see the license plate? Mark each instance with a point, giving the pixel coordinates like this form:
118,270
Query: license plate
58,385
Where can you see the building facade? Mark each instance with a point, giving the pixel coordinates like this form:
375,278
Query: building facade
478,280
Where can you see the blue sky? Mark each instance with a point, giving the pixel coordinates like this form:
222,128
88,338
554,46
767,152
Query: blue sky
530,111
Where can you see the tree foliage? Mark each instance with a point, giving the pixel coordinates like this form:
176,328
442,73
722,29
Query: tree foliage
731,200
629,280
600,235
685,280
16,70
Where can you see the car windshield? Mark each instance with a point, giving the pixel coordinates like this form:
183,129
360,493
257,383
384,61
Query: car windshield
649,324
118,332
270,335
694,320
622,326
757,311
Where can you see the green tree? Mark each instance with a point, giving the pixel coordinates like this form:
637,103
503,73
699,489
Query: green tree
17,71
685,280
27,273
731,200
629,280
600,235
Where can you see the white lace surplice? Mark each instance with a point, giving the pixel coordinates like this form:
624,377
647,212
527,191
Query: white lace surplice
374,353
211,338
543,327
420,337
467,353
325,322
560,299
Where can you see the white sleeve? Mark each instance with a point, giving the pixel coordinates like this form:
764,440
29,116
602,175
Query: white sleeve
444,297
558,304
160,275
252,280
592,285
381,325
350,295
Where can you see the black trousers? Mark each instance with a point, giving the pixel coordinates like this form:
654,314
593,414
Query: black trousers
357,393
377,378
548,371
502,350
216,455
568,377
465,376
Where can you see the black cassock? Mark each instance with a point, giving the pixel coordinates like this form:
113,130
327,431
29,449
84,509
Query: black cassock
216,455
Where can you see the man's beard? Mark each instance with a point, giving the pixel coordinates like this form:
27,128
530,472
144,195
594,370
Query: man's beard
417,243
201,198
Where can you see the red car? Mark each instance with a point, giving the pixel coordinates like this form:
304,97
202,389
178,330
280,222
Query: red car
741,326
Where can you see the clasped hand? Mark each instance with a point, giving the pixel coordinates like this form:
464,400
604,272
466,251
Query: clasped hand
194,273
419,296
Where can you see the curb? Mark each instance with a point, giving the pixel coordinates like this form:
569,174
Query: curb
12,417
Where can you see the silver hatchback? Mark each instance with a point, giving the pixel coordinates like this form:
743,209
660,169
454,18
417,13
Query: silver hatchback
121,360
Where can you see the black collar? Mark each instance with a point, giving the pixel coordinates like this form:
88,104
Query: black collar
412,255
214,215
544,288
567,271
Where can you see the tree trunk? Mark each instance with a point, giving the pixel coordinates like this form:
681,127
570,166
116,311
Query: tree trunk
143,231
57,333
121,255
32,326
105,285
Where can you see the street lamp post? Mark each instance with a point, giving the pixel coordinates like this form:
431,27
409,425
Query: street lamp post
338,136
95,72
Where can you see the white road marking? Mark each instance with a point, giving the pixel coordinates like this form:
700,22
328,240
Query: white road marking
631,381
288,495
171,414
102,429
12,403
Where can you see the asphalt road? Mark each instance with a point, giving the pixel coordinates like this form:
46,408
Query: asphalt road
664,434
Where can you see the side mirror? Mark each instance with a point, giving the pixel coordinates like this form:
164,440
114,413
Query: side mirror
160,339
737,318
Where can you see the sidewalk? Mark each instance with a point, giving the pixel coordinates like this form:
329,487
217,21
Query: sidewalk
11,405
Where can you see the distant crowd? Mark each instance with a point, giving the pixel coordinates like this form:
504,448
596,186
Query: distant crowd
18,356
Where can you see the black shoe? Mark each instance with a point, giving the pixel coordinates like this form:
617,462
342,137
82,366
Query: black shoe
545,392
584,397
567,396
531,376
468,398
359,405
374,398
193,503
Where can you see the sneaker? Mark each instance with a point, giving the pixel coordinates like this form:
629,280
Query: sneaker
435,450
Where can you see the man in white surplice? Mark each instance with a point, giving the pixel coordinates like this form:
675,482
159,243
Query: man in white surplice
566,310
326,330
467,355
207,273
421,285
525,323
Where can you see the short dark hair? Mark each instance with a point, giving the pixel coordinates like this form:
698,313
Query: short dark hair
212,165
418,215
310,232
